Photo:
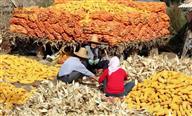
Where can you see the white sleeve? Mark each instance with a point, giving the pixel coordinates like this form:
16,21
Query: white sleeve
82,69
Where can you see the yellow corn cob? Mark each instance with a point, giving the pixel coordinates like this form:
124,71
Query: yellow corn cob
11,95
164,93
25,70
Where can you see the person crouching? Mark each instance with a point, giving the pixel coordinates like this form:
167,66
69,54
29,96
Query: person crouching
73,68
95,58
113,80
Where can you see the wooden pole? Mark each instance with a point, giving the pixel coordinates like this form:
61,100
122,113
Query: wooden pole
187,44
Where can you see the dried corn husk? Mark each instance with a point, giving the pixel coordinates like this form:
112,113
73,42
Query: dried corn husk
71,99
142,67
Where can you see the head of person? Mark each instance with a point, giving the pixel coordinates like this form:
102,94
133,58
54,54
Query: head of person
81,54
68,51
94,41
114,64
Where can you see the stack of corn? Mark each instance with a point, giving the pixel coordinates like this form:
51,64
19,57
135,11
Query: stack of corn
113,21
164,93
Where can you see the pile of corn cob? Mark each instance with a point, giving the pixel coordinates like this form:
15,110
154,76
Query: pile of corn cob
164,93
96,5
17,70
24,70
10,95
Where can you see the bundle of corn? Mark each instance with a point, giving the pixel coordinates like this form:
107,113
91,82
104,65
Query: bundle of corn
164,93
71,99
10,95
24,70
113,22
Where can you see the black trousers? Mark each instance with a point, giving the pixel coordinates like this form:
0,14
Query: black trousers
101,65
75,75
128,87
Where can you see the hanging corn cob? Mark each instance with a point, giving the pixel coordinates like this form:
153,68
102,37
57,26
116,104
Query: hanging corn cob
113,21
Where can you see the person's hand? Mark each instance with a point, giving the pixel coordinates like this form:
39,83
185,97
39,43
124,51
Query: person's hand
90,79
91,62
93,78
96,61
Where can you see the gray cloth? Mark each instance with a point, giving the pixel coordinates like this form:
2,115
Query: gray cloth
74,64
71,77
90,53
128,87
